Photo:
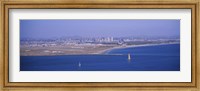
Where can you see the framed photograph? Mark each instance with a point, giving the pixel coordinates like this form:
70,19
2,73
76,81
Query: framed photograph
90,45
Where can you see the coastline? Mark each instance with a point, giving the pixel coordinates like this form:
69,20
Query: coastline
104,52
133,46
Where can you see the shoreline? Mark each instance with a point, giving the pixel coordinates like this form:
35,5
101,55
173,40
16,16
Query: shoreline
104,52
133,46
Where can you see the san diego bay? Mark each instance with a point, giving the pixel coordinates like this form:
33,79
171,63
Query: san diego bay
100,45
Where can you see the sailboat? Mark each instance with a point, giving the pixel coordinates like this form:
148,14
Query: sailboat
129,56
79,64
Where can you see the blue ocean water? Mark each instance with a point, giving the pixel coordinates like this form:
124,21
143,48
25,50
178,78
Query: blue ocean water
146,58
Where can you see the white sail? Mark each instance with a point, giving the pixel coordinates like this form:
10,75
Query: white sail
129,56
79,64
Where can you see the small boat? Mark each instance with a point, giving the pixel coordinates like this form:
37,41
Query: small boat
129,56
79,64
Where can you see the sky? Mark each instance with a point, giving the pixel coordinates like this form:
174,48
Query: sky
47,29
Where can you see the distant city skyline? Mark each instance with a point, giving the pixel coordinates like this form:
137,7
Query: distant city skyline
47,29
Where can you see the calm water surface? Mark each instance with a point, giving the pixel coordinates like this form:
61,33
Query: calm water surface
146,58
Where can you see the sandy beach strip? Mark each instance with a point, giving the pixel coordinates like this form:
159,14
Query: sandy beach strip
133,46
